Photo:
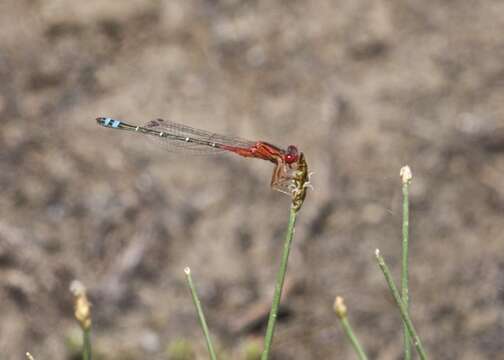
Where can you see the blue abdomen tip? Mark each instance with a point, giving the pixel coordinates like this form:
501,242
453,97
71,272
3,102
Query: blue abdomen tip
108,122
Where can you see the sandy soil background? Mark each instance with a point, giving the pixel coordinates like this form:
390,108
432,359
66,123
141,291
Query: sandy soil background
362,87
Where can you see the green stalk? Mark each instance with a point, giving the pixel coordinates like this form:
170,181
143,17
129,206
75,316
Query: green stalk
268,339
341,311
201,316
86,344
353,339
401,305
406,180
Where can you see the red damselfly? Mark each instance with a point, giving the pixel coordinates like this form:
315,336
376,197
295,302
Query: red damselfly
290,172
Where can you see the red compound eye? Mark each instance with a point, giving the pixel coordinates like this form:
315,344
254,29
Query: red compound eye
292,154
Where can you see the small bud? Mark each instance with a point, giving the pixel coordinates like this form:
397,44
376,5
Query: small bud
340,307
406,175
82,306
29,356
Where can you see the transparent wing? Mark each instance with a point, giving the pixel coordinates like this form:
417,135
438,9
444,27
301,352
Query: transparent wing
186,139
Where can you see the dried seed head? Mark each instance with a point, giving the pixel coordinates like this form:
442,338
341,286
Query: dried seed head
82,306
406,175
340,307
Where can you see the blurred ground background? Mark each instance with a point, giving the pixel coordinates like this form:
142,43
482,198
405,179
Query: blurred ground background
362,87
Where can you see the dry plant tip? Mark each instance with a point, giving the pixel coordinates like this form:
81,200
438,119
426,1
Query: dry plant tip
187,270
406,174
377,252
29,356
82,306
340,307
300,183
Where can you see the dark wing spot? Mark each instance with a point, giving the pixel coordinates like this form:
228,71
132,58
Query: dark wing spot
153,123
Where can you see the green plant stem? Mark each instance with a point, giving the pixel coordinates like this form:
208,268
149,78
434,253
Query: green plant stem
405,267
353,339
341,312
401,305
268,339
201,316
86,344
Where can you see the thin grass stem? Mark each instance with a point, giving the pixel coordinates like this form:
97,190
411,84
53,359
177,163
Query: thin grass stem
341,312
406,180
270,330
86,344
201,315
400,304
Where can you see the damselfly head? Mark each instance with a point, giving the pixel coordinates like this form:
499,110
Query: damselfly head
292,155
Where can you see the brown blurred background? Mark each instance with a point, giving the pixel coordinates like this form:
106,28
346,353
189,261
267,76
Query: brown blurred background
362,87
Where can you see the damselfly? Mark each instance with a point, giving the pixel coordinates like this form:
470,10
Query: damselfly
290,166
